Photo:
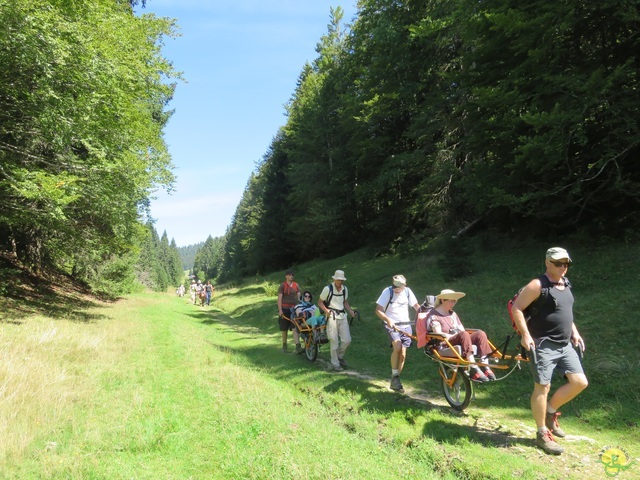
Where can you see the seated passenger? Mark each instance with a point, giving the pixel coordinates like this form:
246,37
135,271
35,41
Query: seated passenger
306,308
442,320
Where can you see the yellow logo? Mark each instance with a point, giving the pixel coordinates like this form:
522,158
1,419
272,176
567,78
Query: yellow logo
615,460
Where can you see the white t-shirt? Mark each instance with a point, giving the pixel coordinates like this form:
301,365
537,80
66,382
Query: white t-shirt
398,309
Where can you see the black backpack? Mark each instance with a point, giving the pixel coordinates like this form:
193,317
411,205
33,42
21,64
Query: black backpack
327,302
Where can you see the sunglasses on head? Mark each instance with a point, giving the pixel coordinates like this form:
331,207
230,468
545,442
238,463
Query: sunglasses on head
560,264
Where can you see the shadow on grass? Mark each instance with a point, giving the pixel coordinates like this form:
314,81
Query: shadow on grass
367,393
485,434
52,294
368,355
374,396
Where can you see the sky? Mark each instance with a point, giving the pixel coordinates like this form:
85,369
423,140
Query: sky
241,60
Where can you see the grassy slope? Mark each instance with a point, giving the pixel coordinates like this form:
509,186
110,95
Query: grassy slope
153,387
605,279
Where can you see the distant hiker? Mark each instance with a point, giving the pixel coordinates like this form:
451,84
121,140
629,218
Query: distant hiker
192,290
208,291
288,297
392,307
199,292
442,320
180,290
333,302
550,331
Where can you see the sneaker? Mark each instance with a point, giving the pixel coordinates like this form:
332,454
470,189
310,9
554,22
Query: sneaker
396,384
343,364
489,374
551,421
299,349
477,376
337,368
546,442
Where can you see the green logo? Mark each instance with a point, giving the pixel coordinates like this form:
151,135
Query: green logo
615,460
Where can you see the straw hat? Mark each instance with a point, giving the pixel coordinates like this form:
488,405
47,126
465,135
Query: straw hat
450,295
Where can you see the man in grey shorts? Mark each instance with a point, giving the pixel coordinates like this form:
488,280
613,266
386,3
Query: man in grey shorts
392,307
551,331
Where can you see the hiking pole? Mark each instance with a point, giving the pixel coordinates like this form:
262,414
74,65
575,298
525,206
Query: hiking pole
402,332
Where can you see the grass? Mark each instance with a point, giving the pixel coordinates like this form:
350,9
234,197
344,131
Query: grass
152,387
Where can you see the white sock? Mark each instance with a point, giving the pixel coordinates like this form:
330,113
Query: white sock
551,410
394,372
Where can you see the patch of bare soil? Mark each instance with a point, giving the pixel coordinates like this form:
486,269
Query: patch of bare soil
54,294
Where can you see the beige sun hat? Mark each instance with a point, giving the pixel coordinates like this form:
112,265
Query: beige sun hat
399,281
339,275
447,294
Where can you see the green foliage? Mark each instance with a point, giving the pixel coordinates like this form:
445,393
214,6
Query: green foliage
158,265
116,277
424,118
81,117
208,259
188,255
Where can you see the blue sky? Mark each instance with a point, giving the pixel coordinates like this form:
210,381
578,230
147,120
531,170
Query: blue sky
241,60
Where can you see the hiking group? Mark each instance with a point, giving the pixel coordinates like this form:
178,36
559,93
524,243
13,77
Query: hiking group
201,291
542,314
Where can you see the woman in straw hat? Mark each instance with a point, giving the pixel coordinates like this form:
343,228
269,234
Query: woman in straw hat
444,321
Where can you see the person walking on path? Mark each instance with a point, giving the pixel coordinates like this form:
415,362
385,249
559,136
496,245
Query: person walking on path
208,290
550,332
288,297
392,307
334,304
192,291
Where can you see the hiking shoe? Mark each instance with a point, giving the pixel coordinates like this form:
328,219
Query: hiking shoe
489,374
551,421
546,442
478,376
343,364
396,384
337,368
299,349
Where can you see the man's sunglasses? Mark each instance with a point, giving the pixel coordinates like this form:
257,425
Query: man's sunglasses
560,264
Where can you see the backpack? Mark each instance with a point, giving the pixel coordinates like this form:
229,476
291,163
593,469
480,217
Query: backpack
534,308
422,326
406,290
288,290
327,302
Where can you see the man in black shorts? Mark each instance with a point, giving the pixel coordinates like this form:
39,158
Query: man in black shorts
550,331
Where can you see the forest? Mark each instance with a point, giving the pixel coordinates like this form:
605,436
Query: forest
83,100
417,120
426,119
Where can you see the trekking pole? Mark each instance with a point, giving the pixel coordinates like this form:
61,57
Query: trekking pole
402,332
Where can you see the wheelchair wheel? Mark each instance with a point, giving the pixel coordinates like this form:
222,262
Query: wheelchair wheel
312,352
310,347
459,393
